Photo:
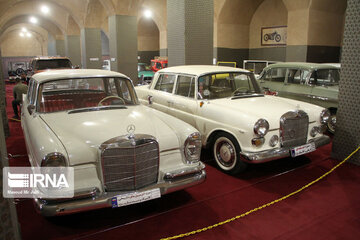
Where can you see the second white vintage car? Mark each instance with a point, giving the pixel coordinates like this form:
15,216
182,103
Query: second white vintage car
91,120
235,119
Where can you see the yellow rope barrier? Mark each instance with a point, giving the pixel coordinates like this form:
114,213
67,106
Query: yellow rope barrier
262,206
14,119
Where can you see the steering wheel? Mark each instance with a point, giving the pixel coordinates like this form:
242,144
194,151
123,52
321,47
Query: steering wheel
239,90
109,97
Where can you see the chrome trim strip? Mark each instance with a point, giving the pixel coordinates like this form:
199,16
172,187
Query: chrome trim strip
169,150
184,172
104,200
90,193
273,154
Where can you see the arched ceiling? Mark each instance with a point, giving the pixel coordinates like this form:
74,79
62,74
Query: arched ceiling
234,12
36,31
51,27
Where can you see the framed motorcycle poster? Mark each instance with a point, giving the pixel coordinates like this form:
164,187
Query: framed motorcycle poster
273,36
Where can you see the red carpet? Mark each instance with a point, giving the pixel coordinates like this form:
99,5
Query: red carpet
327,210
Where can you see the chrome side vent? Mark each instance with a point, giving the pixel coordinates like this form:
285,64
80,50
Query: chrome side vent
294,127
129,163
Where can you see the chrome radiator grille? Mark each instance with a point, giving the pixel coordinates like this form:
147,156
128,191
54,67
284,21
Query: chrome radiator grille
294,128
130,164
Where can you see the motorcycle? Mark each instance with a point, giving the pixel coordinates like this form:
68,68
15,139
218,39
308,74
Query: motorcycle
272,36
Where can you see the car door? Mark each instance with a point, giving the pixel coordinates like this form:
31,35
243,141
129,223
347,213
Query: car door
161,95
29,121
294,85
324,87
183,103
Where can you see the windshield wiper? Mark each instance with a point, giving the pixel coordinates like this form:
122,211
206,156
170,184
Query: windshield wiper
100,108
246,95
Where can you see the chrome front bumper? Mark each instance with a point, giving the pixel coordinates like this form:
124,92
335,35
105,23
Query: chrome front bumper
172,182
272,154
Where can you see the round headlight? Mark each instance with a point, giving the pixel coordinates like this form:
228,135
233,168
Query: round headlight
274,140
324,116
54,160
261,127
192,147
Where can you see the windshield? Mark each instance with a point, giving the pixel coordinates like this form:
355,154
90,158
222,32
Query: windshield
53,64
325,77
70,94
223,85
143,67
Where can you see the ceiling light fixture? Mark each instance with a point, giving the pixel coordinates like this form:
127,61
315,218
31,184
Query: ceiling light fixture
148,13
24,29
45,9
21,34
33,20
28,34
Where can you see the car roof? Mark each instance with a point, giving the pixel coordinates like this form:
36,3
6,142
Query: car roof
74,73
201,69
49,58
302,65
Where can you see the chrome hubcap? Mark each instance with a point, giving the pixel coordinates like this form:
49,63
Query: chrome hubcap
225,153
332,123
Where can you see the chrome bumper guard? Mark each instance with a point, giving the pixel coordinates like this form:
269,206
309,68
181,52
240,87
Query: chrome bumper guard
273,154
172,182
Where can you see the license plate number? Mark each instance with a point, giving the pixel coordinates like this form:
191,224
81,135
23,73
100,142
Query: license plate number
135,197
310,147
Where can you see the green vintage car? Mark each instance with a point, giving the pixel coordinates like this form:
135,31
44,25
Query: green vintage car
145,74
310,82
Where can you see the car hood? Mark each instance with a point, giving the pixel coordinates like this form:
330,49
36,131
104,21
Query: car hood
146,73
271,108
83,133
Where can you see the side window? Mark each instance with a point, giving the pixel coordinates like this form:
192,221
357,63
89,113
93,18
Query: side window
185,86
29,90
112,87
278,74
267,75
158,65
165,83
294,76
33,92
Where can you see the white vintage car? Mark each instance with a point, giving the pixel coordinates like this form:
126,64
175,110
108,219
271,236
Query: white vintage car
91,120
235,119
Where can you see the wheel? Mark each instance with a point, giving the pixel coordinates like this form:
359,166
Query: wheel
332,122
226,153
19,71
277,37
109,97
266,37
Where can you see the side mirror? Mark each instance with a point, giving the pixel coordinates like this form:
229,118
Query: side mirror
31,108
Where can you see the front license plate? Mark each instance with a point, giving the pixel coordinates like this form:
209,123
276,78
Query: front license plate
135,197
310,147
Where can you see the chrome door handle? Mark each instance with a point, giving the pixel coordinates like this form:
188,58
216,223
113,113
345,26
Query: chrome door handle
150,99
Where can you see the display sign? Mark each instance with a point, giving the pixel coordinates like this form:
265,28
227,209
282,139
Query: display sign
135,197
310,147
271,36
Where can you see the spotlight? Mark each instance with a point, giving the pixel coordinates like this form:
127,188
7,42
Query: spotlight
45,9
33,20
22,34
148,13
23,29
28,34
